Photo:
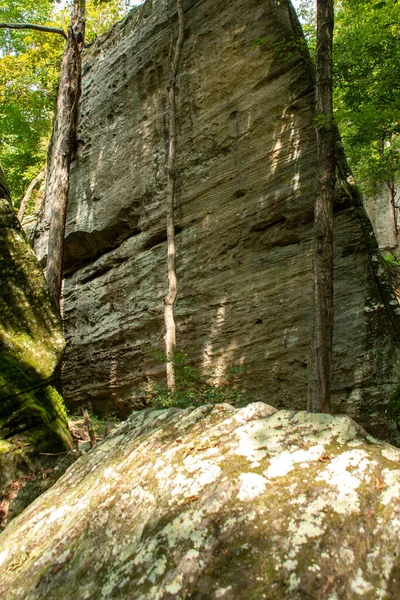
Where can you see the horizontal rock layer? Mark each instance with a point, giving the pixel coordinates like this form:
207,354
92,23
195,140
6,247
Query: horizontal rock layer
245,186
215,503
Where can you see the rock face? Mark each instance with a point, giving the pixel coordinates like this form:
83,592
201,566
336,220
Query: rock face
244,209
32,414
380,212
215,503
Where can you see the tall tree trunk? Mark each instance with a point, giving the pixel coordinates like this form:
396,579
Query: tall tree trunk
319,399
61,147
169,300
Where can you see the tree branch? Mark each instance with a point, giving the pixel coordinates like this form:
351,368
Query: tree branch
28,193
44,28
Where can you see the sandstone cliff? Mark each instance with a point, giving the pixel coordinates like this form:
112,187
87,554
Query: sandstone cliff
215,503
245,187
32,414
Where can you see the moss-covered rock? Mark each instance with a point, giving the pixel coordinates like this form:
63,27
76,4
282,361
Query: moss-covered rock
32,413
215,503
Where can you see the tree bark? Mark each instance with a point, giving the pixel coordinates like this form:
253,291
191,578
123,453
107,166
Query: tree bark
61,147
4,191
390,188
319,399
28,193
169,300
44,28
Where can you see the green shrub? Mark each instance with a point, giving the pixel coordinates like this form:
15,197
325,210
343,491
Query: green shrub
196,387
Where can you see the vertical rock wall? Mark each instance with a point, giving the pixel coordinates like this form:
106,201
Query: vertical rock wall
245,187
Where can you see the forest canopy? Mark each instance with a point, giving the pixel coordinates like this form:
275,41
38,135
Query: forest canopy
366,54
29,72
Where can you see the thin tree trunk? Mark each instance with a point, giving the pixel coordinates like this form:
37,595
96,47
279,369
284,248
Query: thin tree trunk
61,147
28,193
319,399
390,188
169,300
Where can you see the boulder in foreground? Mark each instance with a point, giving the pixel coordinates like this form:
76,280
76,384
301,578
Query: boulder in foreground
215,502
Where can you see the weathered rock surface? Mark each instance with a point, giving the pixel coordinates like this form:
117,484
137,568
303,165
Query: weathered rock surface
384,222
245,187
32,414
215,503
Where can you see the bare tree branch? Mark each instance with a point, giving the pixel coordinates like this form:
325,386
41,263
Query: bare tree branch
44,28
28,193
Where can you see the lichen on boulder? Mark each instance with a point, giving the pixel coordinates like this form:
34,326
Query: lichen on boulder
215,503
32,413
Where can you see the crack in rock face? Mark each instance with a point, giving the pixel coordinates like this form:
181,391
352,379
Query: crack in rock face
215,502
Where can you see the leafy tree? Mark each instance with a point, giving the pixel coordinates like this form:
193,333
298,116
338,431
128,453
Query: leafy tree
367,89
29,68
29,73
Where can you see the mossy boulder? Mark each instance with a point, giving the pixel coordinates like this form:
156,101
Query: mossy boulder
215,503
32,413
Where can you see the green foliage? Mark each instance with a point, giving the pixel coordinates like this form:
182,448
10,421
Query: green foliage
29,72
306,12
367,88
392,260
195,386
366,53
323,121
283,49
28,79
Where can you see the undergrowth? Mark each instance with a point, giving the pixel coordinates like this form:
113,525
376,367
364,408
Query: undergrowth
195,386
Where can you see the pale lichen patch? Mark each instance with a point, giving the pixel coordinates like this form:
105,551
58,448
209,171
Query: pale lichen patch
286,461
158,569
359,585
392,492
294,582
347,500
309,524
175,586
251,486
221,592
391,453
290,564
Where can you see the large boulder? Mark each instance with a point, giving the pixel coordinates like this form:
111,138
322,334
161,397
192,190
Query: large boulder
215,503
32,413
245,173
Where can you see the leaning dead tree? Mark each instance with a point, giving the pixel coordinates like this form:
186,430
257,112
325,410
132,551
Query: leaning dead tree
61,147
319,399
62,140
169,300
